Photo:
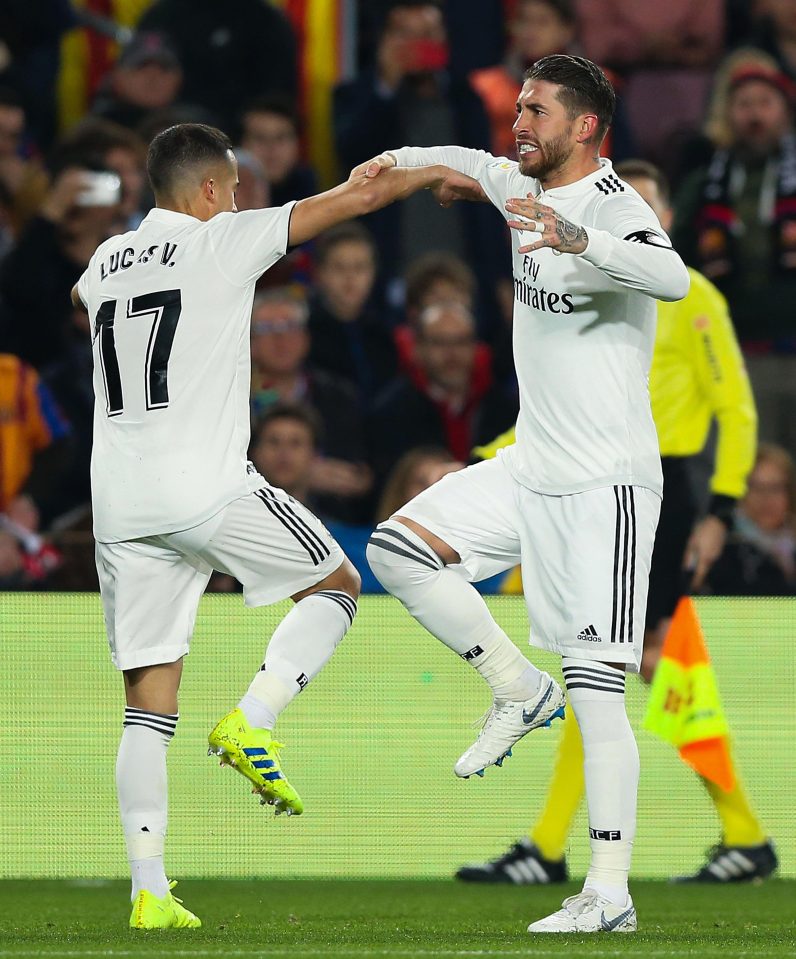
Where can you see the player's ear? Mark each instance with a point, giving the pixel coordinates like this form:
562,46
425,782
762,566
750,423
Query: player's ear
210,189
587,128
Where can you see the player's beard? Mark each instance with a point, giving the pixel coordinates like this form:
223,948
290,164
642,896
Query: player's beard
550,155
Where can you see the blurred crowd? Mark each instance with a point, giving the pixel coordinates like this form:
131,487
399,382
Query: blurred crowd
381,354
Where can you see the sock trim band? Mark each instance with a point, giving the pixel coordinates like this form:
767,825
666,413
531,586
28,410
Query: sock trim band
427,554
341,598
159,722
392,548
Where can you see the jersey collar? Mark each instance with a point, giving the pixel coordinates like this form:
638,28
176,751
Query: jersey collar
580,186
159,215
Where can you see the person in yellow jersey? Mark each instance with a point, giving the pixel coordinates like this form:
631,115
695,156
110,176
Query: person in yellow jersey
697,375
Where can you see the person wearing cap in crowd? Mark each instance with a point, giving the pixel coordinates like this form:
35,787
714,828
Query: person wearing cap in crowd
147,77
736,223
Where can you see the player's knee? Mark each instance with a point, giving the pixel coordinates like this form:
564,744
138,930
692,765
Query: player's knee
399,557
351,581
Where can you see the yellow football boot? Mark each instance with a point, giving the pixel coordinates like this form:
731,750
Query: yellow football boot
149,912
255,755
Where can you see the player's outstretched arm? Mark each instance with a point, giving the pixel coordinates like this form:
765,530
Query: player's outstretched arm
627,245
363,194
467,161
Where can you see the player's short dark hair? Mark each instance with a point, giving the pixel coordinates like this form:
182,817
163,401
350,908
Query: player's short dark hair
584,87
349,232
636,169
182,150
297,412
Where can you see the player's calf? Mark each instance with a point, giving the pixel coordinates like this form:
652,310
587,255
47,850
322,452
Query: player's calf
299,648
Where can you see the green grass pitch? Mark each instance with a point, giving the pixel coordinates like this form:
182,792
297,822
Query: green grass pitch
359,919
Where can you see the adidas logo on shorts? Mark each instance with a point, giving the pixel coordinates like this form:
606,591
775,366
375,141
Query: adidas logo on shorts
589,635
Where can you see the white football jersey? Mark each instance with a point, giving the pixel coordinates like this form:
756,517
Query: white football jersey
584,327
170,309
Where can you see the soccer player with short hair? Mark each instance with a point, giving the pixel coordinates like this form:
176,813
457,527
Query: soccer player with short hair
173,494
576,499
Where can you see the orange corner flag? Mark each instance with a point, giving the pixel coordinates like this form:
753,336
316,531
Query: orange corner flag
684,706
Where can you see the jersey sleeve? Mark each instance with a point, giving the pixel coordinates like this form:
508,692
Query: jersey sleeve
627,243
724,380
498,176
247,244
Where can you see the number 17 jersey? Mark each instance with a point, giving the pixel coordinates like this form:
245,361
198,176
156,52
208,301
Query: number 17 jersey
170,308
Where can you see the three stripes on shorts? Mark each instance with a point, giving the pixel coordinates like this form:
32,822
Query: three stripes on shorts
295,524
624,565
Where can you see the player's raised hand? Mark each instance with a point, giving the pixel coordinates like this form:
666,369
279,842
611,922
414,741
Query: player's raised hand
373,167
556,232
458,186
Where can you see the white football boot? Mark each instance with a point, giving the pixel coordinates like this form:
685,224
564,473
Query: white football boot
506,723
589,912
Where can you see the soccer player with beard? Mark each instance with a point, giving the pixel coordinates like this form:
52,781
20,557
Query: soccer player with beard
576,499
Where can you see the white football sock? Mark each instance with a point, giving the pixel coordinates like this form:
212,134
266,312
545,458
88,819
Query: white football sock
611,768
450,608
300,647
143,795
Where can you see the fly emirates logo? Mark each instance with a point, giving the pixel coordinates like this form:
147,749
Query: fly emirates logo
528,291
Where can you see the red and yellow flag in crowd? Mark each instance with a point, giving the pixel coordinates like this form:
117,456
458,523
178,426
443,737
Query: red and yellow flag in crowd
684,707
326,31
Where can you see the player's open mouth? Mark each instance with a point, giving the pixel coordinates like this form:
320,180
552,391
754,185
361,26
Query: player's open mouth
523,148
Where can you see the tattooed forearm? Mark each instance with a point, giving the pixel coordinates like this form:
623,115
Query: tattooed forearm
572,237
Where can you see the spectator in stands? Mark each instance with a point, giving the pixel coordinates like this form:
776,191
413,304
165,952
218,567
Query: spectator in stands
736,223
70,378
101,144
35,446
676,33
227,50
23,180
284,446
37,275
665,53
446,401
433,278
280,347
253,192
415,471
270,131
12,128
147,77
536,29
410,97
349,339
760,556
775,34
441,278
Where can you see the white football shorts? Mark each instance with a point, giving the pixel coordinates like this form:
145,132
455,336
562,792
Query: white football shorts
585,557
151,587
